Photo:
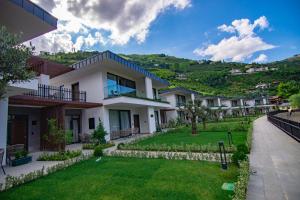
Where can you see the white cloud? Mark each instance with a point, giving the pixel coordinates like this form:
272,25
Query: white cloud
240,46
123,20
261,58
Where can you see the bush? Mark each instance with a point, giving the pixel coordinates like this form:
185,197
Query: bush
98,151
99,134
59,156
242,148
240,189
21,154
120,145
92,145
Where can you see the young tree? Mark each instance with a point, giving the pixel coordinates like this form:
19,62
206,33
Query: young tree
287,89
13,56
194,110
295,100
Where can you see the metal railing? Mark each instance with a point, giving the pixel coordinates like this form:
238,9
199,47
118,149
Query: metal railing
58,93
292,128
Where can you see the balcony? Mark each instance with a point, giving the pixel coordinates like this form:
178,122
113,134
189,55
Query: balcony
57,93
113,91
180,104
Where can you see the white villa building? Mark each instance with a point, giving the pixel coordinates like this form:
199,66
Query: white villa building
25,18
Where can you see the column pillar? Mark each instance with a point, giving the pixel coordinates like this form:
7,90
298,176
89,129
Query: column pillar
3,125
148,87
151,119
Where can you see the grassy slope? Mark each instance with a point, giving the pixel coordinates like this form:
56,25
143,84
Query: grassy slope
211,78
130,178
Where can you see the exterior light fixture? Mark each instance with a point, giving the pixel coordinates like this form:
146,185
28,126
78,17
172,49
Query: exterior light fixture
223,155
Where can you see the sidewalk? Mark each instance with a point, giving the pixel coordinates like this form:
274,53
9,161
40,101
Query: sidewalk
275,163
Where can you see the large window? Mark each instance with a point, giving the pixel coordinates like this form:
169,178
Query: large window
119,120
117,85
180,100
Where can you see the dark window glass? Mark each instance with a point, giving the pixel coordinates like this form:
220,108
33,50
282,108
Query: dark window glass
91,123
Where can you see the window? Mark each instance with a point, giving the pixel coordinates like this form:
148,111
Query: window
91,123
117,85
180,100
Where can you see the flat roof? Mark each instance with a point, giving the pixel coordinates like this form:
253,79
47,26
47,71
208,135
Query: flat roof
108,55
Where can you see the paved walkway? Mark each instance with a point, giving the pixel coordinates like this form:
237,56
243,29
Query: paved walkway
275,162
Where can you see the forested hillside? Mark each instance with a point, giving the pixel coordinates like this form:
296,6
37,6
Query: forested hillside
205,76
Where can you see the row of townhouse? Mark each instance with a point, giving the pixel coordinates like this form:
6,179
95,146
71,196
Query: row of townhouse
104,87
227,106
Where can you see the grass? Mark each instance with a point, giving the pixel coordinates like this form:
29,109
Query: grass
206,140
130,178
184,136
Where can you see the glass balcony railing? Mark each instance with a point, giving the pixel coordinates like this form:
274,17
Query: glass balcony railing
119,90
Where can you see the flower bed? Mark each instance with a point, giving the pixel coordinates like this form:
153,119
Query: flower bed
92,145
60,156
175,147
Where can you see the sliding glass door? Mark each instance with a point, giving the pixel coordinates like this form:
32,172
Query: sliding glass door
119,120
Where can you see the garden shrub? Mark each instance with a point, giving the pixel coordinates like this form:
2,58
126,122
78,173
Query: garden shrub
98,151
21,154
120,145
240,154
242,148
240,189
92,145
59,156
99,134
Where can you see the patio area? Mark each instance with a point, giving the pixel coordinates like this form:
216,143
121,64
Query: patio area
37,165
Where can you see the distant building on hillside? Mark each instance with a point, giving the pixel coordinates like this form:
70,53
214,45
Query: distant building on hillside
262,86
181,76
235,71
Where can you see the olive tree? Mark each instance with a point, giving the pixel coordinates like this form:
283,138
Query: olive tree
13,57
194,110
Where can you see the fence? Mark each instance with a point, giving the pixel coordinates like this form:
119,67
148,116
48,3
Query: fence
58,93
290,127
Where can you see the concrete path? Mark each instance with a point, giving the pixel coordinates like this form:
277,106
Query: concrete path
275,163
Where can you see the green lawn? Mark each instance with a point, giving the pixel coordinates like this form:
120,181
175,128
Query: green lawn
184,136
130,178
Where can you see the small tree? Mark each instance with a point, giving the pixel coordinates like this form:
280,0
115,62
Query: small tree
194,110
56,135
295,100
13,57
99,134
287,89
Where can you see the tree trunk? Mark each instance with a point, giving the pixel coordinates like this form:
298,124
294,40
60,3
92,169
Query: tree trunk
194,125
204,123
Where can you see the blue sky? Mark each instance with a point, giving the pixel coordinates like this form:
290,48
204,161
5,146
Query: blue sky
188,28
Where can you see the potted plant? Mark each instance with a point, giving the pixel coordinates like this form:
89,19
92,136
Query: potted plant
21,158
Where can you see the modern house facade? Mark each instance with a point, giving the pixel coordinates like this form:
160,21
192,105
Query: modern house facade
29,21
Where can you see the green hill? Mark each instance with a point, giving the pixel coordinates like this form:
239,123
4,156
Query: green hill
205,76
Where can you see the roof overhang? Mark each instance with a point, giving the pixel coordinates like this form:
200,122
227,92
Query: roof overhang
42,102
116,62
25,18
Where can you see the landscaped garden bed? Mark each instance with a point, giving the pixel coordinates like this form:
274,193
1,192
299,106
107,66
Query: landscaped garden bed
205,141
131,178
93,145
59,156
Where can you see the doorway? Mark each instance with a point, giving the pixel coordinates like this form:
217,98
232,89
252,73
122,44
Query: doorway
18,130
136,122
75,128
75,92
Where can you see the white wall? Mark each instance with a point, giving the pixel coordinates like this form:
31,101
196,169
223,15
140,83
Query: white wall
90,113
3,124
148,87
